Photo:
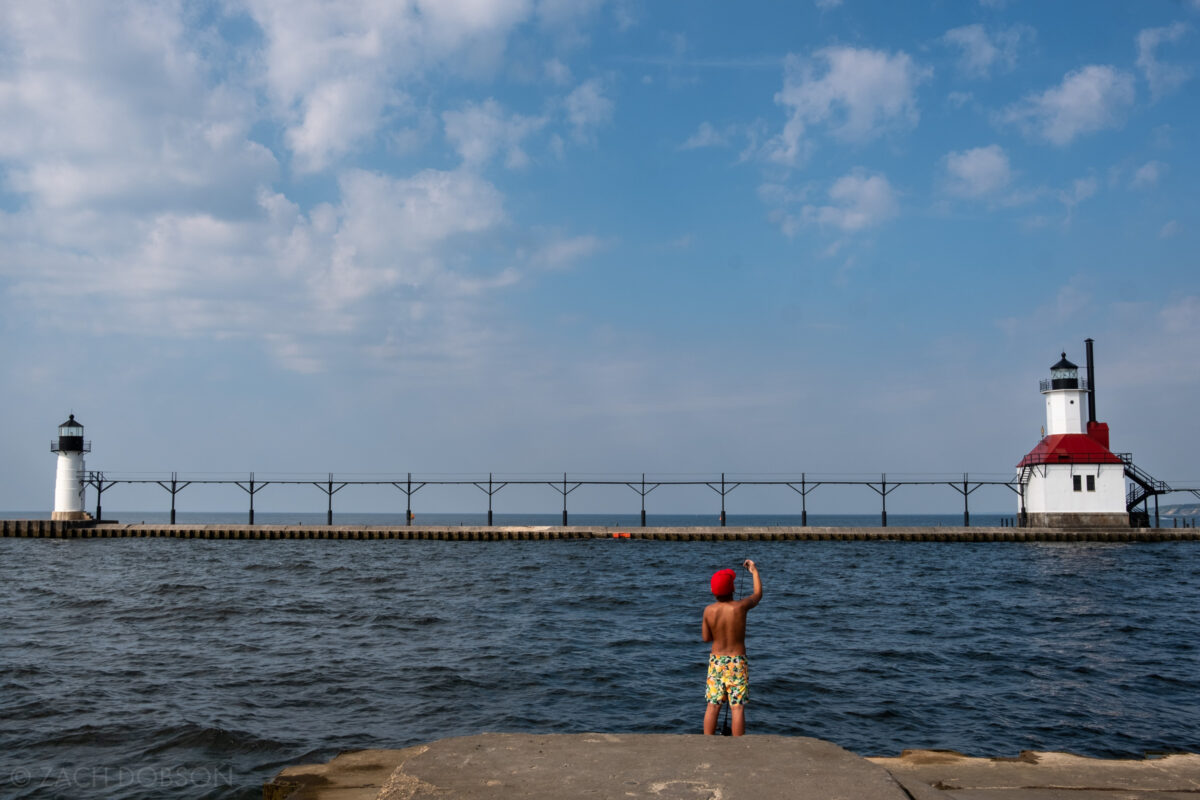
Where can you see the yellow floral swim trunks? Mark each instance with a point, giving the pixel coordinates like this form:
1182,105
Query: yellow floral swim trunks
727,675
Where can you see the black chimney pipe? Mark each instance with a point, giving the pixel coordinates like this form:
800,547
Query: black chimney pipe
1091,378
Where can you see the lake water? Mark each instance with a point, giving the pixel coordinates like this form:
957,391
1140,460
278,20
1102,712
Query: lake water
143,668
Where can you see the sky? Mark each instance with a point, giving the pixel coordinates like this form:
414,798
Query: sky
604,237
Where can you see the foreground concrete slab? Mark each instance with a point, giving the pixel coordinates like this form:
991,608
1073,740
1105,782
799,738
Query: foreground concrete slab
666,767
929,774
663,767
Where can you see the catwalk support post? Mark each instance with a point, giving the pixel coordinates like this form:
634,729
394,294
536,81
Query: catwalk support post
408,490
490,490
643,491
965,490
330,490
564,491
174,488
98,482
883,495
252,488
883,491
723,489
805,488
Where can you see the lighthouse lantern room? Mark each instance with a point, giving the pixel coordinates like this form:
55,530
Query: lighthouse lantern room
1071,479
68,484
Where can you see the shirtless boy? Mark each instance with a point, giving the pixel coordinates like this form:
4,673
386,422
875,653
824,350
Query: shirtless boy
724,625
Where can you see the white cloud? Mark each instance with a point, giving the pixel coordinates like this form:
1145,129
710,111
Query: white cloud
116,108
1170,229
587,108
978,51
706,136
333,73
1148,175
557,72
125,140
453,26
337,116
859,94
782,204
859,201
302,285
391,229
481,130
1080,189
563,252
982,52
959,99
827,4
331,69
978,172
625,14
1089,99
1162,78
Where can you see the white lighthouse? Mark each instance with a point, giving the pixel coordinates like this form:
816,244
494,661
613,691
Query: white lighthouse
68,483
1071,479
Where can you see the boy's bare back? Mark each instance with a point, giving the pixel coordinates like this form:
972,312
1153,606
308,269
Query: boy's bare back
724,622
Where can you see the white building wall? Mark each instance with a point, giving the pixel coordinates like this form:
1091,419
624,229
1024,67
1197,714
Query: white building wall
1051,489
67,486
1064,411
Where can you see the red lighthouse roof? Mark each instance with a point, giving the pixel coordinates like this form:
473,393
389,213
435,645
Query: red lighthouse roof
1069,448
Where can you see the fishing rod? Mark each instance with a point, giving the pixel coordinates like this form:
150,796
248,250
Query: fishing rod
724,728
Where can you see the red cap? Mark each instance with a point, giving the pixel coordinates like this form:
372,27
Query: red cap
722,582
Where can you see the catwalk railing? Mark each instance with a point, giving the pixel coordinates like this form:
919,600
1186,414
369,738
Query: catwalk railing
642,485
491,484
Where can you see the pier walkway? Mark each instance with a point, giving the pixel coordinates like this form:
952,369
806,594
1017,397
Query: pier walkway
691,767
104,530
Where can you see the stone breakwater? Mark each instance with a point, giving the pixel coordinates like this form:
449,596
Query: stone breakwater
55,529
686,767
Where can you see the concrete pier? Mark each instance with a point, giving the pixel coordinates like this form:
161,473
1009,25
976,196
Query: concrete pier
57,529
682,767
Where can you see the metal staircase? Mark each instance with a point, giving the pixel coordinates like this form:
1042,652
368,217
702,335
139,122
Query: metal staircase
1144,486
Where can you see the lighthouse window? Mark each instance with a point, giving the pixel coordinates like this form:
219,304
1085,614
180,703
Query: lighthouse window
1078,480
1091,483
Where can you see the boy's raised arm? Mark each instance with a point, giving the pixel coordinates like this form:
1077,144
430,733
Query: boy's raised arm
753,599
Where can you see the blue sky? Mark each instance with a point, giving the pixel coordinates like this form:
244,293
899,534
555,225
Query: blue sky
529,236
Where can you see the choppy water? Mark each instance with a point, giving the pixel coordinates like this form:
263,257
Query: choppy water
144,668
